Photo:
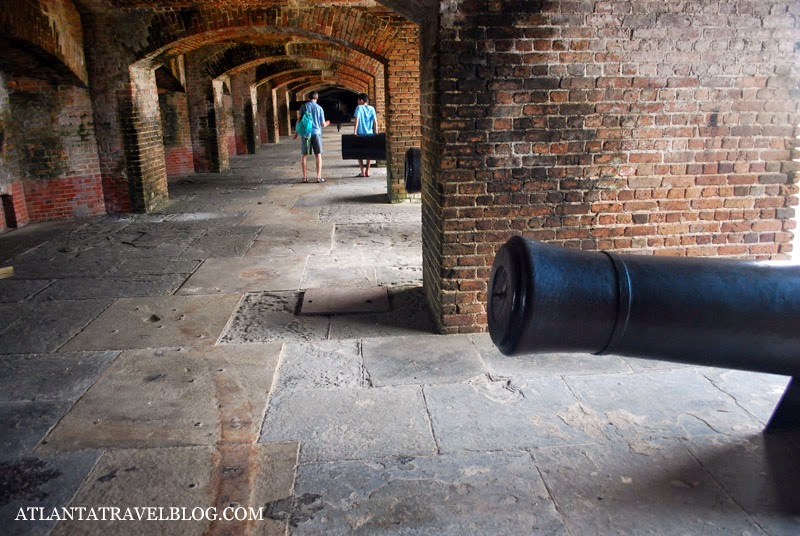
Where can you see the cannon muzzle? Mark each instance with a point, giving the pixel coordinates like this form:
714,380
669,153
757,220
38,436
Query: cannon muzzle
718,312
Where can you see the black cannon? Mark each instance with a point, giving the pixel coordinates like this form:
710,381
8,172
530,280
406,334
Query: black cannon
718,312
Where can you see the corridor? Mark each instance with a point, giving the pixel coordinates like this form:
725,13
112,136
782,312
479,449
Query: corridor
265,344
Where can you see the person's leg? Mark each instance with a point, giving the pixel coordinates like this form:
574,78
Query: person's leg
304,164
367,173
317,147
361,168
319,167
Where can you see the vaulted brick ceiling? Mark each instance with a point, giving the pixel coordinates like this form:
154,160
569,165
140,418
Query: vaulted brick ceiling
415,10
188,12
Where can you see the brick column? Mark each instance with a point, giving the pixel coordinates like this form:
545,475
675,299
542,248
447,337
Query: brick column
242,112
147,175
403,106
110,87
202,115
378,95
262,90
222,126
269,114
127,120
254,114
282,108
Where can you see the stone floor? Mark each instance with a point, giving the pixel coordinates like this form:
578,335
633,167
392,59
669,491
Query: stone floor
163,360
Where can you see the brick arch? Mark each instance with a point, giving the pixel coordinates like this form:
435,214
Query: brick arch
172,34
293,81
419,11
266,69
345,82
48,31
233,62
265,75
243,54
337,54
242,57
318,86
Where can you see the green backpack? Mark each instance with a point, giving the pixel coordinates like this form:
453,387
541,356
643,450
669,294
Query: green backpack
305,125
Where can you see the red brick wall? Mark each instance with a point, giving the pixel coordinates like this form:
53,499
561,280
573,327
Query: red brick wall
662,128
63,198
50,163
176,134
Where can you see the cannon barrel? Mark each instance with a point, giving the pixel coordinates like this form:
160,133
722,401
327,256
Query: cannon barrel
718,312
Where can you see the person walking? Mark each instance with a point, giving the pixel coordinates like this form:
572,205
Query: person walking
312,142
366,125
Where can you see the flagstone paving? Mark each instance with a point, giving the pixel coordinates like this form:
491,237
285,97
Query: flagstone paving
163,360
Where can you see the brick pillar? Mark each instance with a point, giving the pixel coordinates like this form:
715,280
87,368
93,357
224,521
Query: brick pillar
434,273
242,113
378,95
262,90
147,175
202,115
403,105
254,115
222,125
110,88
269,114
283,116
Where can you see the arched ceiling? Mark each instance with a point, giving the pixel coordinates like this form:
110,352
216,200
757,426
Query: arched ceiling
356,34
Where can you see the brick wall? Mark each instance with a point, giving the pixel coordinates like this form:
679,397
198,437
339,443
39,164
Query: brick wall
402,76
50,164
176,134
49,26
661,128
